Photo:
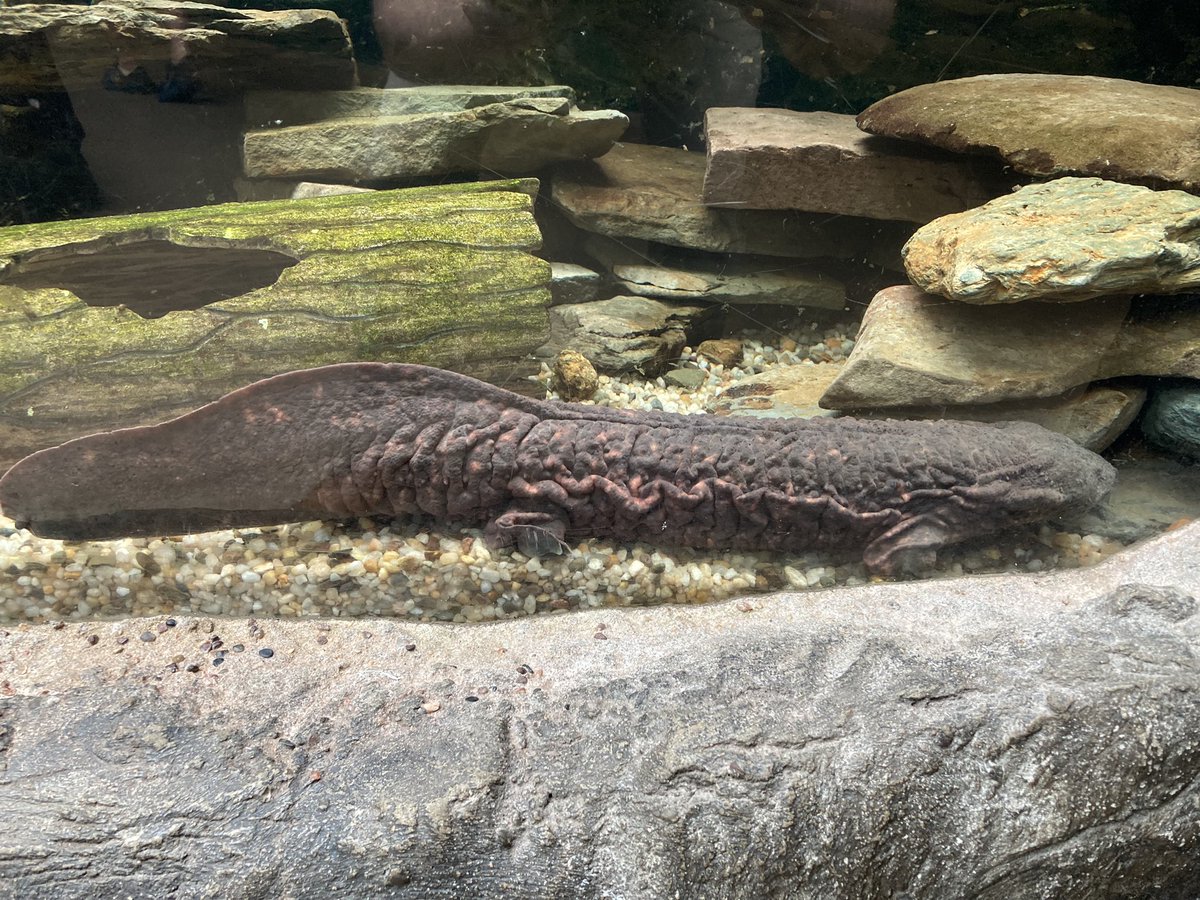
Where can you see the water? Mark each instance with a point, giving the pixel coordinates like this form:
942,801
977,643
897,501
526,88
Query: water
214,278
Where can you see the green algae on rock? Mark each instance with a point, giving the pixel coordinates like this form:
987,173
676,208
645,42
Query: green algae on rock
440,276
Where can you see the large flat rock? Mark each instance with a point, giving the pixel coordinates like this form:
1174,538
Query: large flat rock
1010,736
822,162
655,194
1049,125
1068,239
916,349
219,52
513,137
732,281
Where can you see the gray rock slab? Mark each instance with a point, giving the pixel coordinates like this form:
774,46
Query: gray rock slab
1068,239
1161,338
251,189
272,109
733,281
654,194
626,334
916,349
516,136
1172,421
822,162
1093,417
571,283
1049,125
54,47
1009,736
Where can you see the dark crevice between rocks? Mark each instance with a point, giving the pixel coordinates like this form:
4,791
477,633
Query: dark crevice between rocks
150,277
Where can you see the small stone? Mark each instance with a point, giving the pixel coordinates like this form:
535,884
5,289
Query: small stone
265,652
148,636
687,379
725,352
93,640
575,377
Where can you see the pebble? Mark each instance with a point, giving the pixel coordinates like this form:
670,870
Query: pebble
377,568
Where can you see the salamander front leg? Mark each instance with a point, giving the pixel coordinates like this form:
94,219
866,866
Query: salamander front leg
533,533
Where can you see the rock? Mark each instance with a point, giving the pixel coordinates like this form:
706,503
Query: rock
252,189
1068,239
1150,497
733,281
654,194
1172,421
687,379
625,334
574,376
570,283
1093,417
1050,125
915,349
783,392
137,45
273,109
511,138
725,352
1009,736
1160,338
822,162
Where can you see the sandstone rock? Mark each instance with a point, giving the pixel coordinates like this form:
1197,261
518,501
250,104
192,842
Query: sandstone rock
273,109
725,352
225,52
1172,421
1068,239
1093,417
822,162
625,334
1010,736
574,376
915,349
570,283
513,137
733,281
1160,338
1049,125
654,194
779,393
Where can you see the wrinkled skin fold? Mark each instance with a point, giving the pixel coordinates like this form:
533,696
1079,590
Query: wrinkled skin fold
364,439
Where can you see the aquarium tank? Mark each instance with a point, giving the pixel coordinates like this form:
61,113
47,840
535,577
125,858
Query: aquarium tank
421,318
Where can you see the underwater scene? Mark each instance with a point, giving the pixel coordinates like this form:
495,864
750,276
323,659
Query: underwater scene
460,312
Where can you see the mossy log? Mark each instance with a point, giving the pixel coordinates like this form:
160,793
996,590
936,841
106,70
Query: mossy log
112,322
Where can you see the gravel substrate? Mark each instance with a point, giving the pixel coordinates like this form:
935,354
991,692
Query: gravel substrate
372,568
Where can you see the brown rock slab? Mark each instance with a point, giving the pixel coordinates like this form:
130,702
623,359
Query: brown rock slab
916,349
1067,239
1049,125
822,162
655,194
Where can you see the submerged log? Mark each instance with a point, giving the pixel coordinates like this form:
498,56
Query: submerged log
107,323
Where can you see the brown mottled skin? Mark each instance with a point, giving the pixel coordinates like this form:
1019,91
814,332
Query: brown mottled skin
376,439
